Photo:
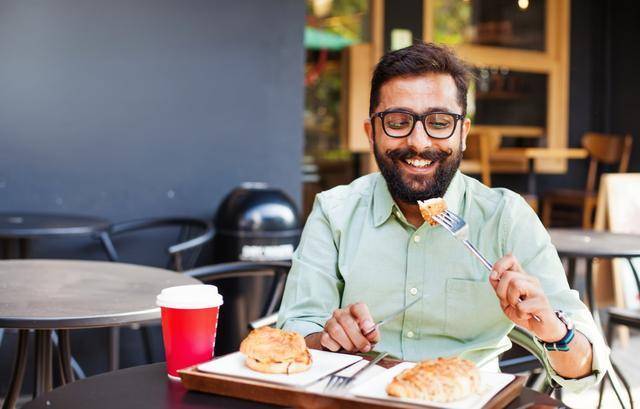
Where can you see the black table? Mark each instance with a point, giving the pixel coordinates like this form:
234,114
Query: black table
573,244
147,386
18,228
46,295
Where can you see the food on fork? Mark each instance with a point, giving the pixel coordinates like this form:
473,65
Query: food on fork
430,208
437,380
272,350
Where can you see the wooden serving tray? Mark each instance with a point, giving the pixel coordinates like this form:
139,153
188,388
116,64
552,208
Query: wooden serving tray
284,395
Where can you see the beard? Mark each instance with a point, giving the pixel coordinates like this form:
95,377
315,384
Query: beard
411,188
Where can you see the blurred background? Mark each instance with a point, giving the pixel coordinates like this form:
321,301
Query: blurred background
150,108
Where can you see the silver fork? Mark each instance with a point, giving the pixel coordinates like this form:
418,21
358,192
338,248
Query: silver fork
337,382
460,230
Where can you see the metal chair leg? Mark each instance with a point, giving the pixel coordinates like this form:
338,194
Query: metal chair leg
571,272
590,296
23,248
114,348
616,378
602,385
61,340
65,355
18,370
146,343
43,377
609,338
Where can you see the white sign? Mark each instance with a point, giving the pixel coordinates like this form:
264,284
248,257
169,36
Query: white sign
266,253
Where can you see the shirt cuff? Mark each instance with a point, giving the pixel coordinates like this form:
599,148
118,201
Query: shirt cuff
303,328
599,365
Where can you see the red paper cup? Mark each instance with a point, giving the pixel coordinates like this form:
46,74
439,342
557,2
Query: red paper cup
189,323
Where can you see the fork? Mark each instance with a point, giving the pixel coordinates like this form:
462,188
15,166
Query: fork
460,230
337,382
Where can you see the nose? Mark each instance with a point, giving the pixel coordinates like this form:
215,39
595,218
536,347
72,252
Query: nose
418,138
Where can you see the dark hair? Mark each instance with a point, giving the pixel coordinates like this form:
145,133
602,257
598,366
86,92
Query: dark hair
417,59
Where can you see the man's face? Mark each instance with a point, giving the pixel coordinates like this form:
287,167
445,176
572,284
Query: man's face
418,167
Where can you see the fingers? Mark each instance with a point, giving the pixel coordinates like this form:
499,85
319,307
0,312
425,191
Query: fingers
353,331
530,306
519,289
515,286
346,328
334,329
361,314
327,342
506,263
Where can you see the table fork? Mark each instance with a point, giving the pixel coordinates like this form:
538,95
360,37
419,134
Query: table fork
460,230
338,382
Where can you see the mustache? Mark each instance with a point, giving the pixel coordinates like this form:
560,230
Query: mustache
404,153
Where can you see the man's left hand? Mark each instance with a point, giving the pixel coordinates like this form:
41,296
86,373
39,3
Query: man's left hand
522,299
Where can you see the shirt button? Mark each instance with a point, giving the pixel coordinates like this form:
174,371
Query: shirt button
416,238
413,291
410,334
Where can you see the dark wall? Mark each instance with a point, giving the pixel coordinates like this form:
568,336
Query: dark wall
127,109
150,107
625,70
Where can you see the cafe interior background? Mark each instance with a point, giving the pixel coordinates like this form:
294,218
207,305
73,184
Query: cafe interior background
134,109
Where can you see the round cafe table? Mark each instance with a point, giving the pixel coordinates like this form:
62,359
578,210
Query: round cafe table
573,244
47,295
147,386
18,228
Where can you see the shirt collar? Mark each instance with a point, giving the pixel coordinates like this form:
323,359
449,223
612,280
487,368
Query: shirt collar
384,205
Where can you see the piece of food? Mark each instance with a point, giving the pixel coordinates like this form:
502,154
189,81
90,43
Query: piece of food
437,380
273,350
430,208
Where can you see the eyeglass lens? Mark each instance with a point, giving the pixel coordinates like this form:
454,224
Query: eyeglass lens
400,124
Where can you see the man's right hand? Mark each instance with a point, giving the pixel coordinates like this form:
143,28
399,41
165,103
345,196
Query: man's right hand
345,330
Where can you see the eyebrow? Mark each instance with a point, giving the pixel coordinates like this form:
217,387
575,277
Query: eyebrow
432,109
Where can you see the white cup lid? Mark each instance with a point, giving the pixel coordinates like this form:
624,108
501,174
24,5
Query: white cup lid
190,297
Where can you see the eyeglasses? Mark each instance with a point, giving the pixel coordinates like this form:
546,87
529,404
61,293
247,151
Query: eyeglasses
399,124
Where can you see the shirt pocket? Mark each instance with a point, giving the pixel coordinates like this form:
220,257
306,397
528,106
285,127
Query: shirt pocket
472,309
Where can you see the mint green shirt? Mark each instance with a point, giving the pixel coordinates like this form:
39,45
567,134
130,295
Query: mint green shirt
358,246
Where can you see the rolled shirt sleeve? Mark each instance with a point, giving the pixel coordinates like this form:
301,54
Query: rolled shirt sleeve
314,285
525,237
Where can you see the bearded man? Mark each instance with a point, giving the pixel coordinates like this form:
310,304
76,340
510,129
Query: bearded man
366,251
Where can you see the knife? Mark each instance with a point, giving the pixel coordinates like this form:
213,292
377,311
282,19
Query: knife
393,315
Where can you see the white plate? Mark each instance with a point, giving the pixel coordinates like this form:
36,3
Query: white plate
375,388
324,363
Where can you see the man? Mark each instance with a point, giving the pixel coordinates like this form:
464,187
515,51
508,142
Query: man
365,250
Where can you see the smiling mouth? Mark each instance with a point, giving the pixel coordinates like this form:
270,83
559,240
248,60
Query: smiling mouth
419,163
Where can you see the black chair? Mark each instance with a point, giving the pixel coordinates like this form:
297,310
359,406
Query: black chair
236,313
193,233
629,318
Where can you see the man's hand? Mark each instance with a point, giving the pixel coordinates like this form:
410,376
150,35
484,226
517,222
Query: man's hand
522,298
345,330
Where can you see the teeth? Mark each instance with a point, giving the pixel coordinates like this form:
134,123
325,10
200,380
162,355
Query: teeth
419,163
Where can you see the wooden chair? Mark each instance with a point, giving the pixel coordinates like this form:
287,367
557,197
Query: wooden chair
608,149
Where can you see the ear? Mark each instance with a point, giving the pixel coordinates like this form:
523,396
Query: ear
368,129
466,127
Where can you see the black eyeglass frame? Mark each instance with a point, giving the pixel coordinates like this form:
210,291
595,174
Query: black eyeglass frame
416,118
